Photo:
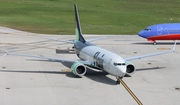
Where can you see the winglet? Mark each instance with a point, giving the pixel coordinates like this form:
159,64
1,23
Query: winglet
173,48
79,36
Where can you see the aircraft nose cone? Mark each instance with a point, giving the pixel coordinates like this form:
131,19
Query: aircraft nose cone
122,72
141,34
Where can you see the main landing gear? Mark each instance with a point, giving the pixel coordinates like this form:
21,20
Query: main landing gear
117,82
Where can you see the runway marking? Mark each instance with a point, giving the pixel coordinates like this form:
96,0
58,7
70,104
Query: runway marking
66,70
163,48
7,88
130,92
177,88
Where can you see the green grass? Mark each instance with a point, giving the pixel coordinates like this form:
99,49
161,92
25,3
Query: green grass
97,16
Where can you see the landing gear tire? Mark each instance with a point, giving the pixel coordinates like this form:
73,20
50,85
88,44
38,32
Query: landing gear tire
154,43
117,82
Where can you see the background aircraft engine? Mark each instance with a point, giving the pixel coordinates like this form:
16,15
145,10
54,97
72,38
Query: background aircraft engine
130,69
78,69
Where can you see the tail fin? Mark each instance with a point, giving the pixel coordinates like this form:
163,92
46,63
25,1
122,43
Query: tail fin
79,36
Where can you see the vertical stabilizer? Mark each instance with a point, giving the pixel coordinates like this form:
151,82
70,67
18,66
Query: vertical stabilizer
79,36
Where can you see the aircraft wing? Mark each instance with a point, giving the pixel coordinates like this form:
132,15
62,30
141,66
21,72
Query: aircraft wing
51,58
94,39
149,55
3,55
67,41
72,42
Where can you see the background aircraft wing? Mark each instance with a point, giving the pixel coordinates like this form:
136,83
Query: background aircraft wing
149,55
51,58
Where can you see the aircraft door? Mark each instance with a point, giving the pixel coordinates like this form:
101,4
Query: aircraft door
159,30
109,64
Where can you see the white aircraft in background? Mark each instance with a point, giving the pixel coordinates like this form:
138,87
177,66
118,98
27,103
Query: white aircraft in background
96,57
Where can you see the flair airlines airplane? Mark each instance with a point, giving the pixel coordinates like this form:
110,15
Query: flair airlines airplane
96,57
169,31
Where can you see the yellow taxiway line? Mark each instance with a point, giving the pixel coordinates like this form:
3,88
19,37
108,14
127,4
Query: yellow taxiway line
130,92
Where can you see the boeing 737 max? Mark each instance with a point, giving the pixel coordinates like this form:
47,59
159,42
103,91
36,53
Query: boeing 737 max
96,57
169,31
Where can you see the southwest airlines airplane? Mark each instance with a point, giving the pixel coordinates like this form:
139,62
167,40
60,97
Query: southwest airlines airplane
95,57
169,31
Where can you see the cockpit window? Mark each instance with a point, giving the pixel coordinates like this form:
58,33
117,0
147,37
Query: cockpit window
119,64
147,29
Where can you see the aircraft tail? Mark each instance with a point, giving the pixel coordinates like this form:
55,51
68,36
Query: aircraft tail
79,36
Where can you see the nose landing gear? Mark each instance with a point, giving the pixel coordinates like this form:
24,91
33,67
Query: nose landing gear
118,80
154,41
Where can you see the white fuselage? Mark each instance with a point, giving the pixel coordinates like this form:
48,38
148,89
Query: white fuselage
104,59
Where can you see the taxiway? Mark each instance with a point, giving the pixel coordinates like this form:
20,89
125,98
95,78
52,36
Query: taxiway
29,81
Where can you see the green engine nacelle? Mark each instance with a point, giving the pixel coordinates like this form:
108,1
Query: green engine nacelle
130,69
78,69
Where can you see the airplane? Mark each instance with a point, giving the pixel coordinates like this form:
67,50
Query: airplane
95,57
167,31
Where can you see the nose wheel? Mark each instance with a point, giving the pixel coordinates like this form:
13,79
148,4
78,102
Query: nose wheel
118,80
154,43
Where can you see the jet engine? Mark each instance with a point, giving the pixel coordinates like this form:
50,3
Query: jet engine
130,69
78,69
